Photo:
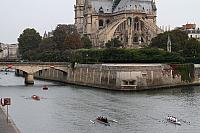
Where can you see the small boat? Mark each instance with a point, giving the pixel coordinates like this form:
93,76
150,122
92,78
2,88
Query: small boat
35,97
173,120
45,87
103,120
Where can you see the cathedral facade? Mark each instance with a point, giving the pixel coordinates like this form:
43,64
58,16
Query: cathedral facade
133,22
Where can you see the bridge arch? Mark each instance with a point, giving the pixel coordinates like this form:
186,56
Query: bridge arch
29,75
29,71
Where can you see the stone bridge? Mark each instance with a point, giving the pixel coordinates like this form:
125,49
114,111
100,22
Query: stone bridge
30,68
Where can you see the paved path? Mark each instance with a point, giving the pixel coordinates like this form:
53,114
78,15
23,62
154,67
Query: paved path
6,127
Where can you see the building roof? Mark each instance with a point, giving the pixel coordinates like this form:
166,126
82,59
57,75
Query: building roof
102,5
109,6
139,5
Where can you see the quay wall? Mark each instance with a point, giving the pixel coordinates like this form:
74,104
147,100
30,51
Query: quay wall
125,76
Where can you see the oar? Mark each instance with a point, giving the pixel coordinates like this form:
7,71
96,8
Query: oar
92,121
113,121
184,121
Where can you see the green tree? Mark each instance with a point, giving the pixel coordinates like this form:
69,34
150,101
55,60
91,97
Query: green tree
188,48
47,44
66,35
178,39
28,41
191,48
114,43
73,41
86,42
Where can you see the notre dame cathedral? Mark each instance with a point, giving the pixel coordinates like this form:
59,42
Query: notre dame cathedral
133,22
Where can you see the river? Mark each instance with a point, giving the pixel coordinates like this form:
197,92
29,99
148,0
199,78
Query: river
69,109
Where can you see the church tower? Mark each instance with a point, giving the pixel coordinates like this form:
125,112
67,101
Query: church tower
154,9
79,8
88,16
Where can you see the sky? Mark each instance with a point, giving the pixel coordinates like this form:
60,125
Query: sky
44,15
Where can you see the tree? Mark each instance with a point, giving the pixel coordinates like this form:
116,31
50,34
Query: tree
191,48
114,43
188,48
178,39
47,44
73,41
86,42
28,41
66,35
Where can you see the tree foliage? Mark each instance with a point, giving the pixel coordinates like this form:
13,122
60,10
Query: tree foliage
114,43
47,44
86,42
178,39
181,44
67,37
118,55
28,41
73,41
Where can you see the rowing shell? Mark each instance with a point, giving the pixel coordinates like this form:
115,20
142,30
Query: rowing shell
101,122
105,123
174,122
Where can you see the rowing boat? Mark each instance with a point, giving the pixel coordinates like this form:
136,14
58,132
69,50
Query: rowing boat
102,122
173,120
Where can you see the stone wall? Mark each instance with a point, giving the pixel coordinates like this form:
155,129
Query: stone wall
123,76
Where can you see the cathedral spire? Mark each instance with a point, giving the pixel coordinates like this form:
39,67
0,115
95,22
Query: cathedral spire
169,44
45,35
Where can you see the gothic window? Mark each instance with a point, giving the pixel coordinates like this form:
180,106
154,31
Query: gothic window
136,24
136,19
135,39
142,40
107,21
101,10
129,21
100,23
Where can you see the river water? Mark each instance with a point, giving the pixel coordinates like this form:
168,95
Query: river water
69,109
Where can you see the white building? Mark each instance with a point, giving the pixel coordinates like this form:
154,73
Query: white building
191,30
195,33
8,51
3,50
12,51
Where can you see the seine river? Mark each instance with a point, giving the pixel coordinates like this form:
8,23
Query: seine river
69,109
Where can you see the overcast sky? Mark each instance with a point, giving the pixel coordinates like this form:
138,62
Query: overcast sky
16,15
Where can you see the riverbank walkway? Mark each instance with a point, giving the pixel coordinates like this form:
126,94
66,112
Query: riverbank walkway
7,127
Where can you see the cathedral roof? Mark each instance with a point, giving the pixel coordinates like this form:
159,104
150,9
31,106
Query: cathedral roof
105,5
109,6
140,5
